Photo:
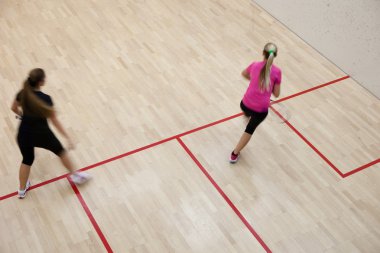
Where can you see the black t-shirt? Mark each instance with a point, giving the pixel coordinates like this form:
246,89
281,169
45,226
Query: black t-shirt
31,123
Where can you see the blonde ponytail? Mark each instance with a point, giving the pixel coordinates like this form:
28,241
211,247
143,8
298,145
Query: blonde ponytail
270,52
30,103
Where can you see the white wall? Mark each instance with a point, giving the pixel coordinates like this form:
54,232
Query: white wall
345,31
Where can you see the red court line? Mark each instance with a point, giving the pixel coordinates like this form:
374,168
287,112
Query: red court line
160,142
169,139
90,216
127,154
361,168
208,125
8,196
35,186
308,142
311,89
225,197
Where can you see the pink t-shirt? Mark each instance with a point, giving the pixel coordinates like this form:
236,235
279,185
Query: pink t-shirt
254,98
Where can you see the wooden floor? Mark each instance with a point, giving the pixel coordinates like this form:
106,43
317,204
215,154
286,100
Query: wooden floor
129,79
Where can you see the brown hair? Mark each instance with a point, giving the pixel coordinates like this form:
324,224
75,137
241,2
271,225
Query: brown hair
30,103
270,52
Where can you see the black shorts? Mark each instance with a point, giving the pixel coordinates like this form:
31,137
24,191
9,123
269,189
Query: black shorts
255,118
27,141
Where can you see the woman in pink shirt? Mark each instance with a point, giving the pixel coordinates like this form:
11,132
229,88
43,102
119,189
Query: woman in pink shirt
265,80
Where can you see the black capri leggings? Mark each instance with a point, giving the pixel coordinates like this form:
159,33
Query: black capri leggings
46,140
255,120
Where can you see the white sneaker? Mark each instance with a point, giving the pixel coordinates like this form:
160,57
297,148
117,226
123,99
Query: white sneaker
80,177
234,158
22,193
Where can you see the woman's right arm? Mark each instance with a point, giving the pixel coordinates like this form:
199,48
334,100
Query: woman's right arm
276,90
277,87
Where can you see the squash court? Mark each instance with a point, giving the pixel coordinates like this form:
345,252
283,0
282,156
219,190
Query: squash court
150,91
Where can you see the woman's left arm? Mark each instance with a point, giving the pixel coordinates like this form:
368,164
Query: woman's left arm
246,74
16,108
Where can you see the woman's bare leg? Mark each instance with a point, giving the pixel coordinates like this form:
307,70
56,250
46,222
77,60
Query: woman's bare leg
67,162
78,177
24,175
244,139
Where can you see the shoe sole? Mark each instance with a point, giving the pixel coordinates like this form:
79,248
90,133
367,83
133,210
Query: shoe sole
27,188
234,161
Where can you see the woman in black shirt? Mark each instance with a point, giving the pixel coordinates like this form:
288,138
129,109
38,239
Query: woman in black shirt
35,108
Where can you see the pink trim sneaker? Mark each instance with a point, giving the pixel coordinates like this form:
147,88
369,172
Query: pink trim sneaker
22,193
234,158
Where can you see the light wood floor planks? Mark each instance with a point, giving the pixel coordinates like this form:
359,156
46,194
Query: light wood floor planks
125,74
341,120
296,201
49,220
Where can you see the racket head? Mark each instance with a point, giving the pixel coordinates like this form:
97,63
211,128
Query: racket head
282,113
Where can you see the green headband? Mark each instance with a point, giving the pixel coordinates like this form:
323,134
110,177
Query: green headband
271,51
